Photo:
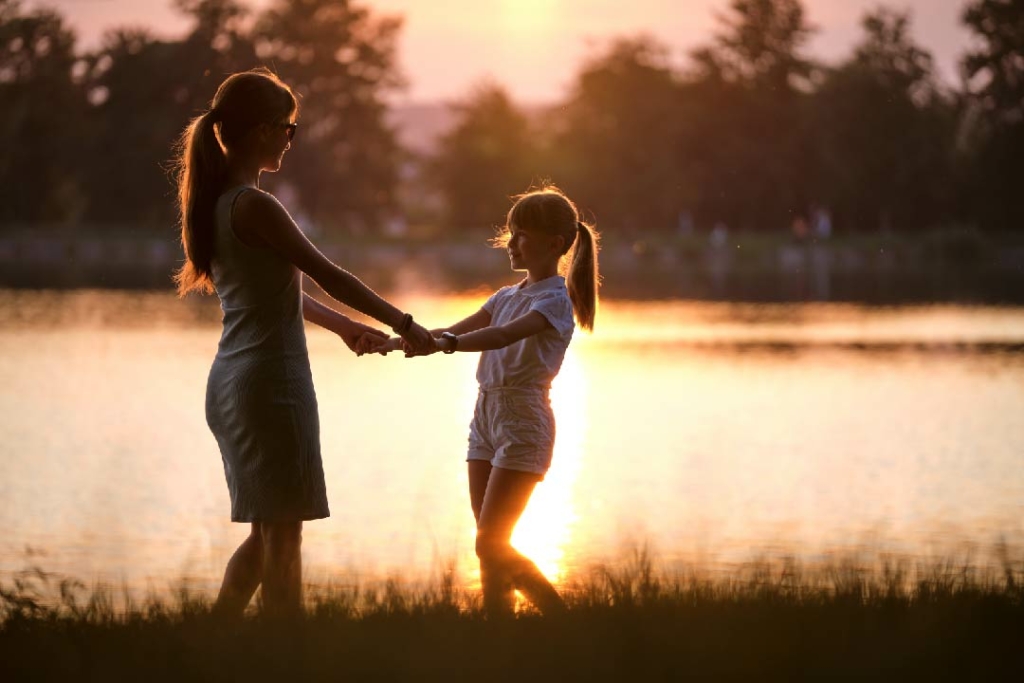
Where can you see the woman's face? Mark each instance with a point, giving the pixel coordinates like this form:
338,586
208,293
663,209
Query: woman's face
277,140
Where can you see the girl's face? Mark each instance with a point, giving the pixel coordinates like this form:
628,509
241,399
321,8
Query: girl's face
532,250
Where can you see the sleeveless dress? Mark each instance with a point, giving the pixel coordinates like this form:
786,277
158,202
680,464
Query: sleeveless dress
260,401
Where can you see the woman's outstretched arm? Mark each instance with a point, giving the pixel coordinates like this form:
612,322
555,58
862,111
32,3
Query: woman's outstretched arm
263,219
340,324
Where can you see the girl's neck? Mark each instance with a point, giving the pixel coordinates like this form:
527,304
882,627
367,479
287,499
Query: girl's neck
535,275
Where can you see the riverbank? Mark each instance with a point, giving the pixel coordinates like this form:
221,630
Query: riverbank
942,266
769,622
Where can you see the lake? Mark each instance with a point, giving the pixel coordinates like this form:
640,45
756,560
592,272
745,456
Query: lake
714,434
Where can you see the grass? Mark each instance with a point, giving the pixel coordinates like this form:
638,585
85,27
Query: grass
767,621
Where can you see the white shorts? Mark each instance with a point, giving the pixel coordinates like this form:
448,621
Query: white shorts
513,428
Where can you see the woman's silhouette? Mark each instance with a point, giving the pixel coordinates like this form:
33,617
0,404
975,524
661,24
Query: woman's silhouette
260,402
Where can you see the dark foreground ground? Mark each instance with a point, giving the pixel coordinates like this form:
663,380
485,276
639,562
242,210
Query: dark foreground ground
946,623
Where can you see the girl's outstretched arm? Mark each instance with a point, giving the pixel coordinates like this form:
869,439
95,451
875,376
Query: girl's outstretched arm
489,338
471,323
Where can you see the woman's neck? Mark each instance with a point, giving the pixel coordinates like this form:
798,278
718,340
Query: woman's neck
241,172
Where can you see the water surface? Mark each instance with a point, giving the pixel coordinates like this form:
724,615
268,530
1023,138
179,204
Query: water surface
715,433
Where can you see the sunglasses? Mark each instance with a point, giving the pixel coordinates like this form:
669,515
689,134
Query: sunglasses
290,127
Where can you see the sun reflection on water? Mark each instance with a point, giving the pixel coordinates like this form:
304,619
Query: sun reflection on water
545,531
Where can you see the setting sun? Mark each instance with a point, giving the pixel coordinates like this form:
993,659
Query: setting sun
526,15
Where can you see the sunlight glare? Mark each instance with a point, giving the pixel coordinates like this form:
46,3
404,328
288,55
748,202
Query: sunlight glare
527,15
545,529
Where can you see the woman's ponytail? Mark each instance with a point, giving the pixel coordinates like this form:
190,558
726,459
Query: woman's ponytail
243,101
200,167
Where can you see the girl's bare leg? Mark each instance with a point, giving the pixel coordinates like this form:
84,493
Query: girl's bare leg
497,589
282,568
242,576
479,473
501,566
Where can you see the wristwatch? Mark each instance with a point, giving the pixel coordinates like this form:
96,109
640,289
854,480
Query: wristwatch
453,341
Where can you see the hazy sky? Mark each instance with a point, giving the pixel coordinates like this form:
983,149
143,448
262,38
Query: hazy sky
533,47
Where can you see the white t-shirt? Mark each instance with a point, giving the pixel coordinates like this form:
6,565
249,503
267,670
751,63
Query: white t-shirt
533,361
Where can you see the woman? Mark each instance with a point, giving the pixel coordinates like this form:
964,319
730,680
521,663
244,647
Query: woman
260,403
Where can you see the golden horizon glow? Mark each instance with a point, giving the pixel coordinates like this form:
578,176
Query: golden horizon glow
534,47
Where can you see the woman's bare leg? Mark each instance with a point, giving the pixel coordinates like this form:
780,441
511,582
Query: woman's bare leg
242,576
282,568
502,567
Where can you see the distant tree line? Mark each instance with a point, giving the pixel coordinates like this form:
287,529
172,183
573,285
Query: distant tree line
85,137
751,133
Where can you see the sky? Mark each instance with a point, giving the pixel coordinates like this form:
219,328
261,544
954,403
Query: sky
534,47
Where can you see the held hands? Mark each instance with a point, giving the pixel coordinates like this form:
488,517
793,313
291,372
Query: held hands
413,339
358,337
411,352
416,339
374,344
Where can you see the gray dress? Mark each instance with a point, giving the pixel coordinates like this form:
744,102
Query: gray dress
260,401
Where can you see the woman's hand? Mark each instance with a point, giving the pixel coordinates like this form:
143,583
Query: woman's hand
417,341
411,352
359,338
371,343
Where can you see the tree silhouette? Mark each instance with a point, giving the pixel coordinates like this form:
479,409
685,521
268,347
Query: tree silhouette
613,145
341,60
886,132
760,44
143,92
40,119
994,72
488,155
751,143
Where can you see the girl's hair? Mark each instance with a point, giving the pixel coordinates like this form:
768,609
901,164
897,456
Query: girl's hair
548,210
243,101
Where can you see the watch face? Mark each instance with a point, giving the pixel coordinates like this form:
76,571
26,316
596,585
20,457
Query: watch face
452,340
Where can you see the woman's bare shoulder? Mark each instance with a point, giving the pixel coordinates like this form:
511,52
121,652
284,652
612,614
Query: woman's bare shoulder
258,206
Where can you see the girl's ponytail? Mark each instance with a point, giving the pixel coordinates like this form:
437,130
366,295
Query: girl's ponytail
583,278
200,167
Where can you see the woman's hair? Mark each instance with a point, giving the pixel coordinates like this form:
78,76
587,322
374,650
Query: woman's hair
243,101
548,210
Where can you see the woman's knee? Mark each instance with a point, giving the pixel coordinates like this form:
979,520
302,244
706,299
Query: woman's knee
282,537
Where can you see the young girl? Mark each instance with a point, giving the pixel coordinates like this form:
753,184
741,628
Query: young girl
260,402
523,331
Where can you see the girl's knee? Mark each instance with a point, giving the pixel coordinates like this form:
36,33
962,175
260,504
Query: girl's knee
491,548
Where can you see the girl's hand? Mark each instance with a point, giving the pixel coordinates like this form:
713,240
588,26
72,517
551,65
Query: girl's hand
359,338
